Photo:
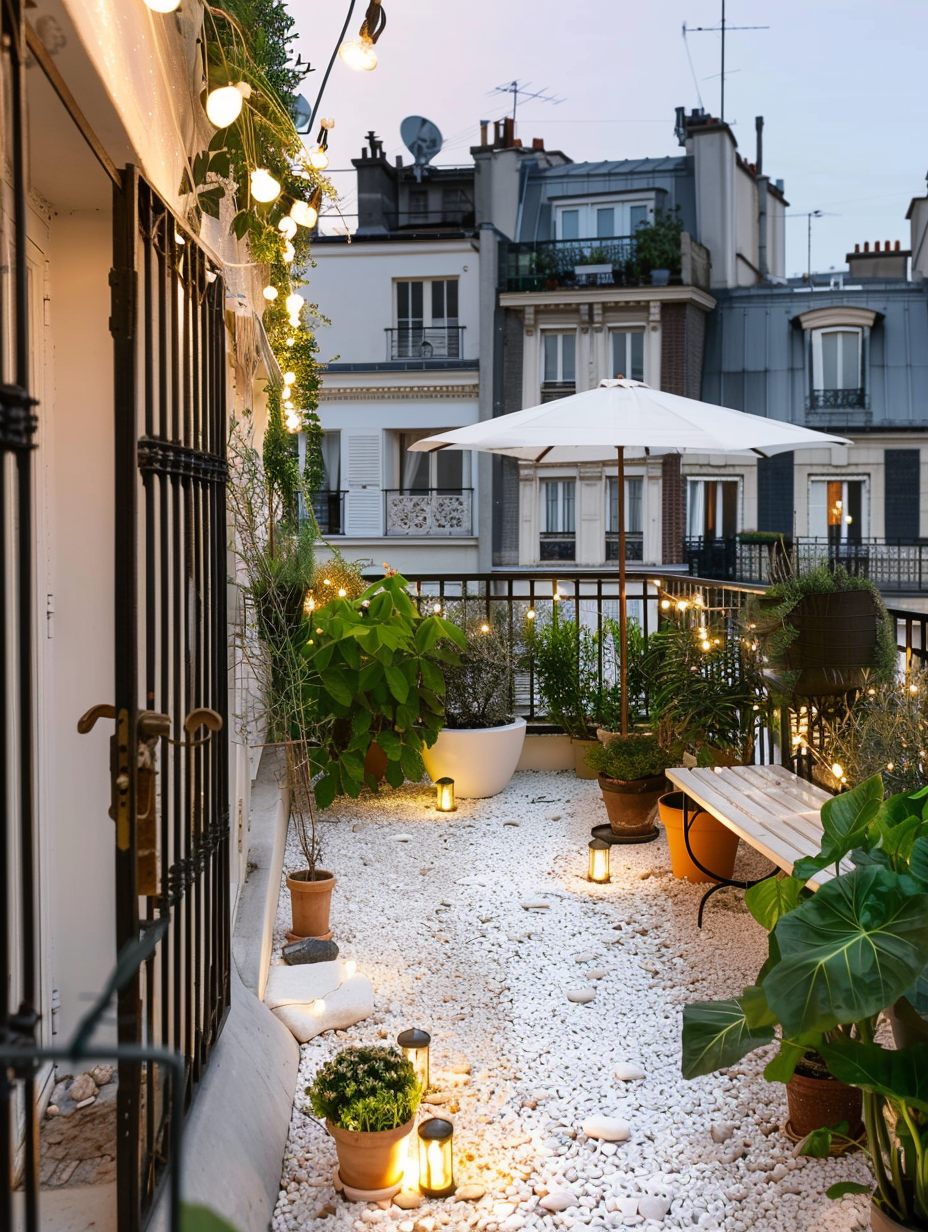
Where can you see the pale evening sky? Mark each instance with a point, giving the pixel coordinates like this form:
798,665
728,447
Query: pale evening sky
840,83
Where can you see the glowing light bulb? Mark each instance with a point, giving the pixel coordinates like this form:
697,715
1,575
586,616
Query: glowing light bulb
484,628
287,227
294,303
270,294
319,160
288,252
289,378
530,614
350,968
913,688
303,213
665,604
163,6
359,54
837,770
294,322
326,582
291,342
342,592
264,187
178,237
224,106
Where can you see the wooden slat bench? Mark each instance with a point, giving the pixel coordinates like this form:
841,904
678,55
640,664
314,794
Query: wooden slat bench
769,807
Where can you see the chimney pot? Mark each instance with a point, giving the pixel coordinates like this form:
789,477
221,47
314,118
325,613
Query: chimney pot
897,246
876,246
866,245
484,137
538,143
857,248
887,246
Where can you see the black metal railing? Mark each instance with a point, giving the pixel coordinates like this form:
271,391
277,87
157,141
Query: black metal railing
546,265
429,511
409,220
329,511
425,342
837,399
634,545
892,566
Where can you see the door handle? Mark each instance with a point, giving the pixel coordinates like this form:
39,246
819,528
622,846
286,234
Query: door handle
202,716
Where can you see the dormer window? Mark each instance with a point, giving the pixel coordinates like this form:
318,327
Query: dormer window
603,219
837,348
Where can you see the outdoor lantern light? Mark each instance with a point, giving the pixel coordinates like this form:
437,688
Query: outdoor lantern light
415,1046
224,105
599,860
264,187
444,791
436,1159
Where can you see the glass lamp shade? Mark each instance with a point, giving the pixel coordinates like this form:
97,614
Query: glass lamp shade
436,1158
224,106
264,187
294,303
359,54
444,792
304,214
599,860
287,227
415,1046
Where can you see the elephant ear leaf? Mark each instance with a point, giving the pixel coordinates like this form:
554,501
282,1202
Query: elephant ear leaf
852,948
771,898
846,821
716,1034
792,1050
918,862
899,1074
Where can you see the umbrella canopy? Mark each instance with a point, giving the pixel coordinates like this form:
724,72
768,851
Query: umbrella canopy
625,419
591,426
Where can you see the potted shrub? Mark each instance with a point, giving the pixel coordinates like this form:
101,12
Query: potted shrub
481,741
657,246
820,633
368,1098
630,770
565,659
375,679
837,958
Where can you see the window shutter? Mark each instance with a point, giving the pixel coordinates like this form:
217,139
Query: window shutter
775,491
364,512
902,491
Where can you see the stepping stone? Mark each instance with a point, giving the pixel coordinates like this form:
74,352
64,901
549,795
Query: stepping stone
559,1200
628,1073
610,1129
535,904
402,838
581,996
470,1193
311,999
588,957
510,823
595,975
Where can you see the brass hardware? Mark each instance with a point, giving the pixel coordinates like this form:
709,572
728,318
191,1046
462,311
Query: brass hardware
201,717
101,711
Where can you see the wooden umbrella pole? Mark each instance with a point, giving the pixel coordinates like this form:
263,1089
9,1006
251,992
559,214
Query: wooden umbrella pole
623,629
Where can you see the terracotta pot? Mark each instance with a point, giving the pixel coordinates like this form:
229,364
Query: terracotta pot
816,1103
310,902
713,844
582,770
371,1160
375,762
631,803
882,1221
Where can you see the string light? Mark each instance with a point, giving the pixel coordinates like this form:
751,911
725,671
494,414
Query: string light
288,252
289,378
264,187
530,614
224,106
294,304
291,342
306,213
484,628
287,227
359,53
270,294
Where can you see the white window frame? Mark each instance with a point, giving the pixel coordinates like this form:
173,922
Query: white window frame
543,487
587,220
629,529
427,460
739,501
427,320
625,370
557,333
818,380
844,480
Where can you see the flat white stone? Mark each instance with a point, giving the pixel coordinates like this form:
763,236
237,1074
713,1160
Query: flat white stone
610,1129
535,904
595,975
408,1201
470,1193
558,1200
653,1208
341,1008
581,996
628,1073
301,984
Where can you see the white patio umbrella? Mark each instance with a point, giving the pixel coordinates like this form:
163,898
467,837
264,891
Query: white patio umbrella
626,419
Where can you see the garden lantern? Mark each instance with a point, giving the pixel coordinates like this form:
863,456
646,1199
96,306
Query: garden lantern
436,1160
444,789
599,860
415,1046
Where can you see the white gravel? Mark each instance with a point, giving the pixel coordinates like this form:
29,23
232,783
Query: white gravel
439,924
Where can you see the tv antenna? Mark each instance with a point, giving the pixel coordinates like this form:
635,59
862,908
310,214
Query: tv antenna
722,28
808,215
520,89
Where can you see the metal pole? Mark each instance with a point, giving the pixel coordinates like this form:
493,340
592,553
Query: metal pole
722,106
623,630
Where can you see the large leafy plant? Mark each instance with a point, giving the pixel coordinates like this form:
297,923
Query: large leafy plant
836,959
376,678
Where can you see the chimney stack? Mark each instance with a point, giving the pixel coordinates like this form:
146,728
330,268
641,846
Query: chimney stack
759,158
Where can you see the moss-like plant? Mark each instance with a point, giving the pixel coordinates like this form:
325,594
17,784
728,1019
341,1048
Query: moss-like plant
370,1089
628,758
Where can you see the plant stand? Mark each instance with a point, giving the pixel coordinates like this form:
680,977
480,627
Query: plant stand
608,835
365,1195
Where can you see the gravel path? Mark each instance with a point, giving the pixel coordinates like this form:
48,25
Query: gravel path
430,907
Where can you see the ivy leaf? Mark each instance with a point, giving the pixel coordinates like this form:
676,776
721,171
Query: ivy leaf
241,224
221,164
200,167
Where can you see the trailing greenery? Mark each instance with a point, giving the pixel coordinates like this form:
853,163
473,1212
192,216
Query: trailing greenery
707,688
478,685
629,758
657,242
767,618
836,959
369,1089
374,676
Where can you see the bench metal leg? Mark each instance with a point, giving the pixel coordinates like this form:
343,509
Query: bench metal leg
721,882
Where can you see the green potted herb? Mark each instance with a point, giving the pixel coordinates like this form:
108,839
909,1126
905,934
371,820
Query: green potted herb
820,632
376,679
630,770
368,1097
481,741
837,958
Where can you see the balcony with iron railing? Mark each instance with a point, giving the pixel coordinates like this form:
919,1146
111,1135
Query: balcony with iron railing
439,343
546,265
833,409
329,511
441,512
894,566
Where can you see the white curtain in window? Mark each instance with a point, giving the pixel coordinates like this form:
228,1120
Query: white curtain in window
695,508
332,460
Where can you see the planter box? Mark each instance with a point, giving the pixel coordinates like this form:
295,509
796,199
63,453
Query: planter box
480,760
550,751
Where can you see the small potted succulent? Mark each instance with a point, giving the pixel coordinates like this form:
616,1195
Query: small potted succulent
368,1097
481,742
631,777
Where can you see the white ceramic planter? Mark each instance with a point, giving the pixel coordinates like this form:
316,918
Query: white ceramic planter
480,760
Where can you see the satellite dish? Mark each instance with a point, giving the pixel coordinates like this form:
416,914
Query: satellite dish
421,138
